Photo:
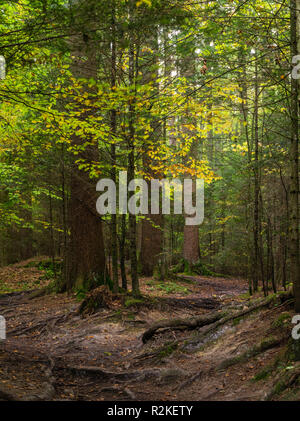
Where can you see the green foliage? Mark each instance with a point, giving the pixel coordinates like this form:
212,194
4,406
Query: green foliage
199,268
94,282
170,287
80,293
4,289
190,102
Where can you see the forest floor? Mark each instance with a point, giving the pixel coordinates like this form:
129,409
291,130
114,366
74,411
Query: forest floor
53,353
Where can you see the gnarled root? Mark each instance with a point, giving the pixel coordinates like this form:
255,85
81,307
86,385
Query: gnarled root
213,320
191,323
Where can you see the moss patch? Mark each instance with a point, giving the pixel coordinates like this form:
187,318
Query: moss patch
132,302
282,320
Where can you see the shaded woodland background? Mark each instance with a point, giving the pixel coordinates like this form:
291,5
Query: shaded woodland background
169,88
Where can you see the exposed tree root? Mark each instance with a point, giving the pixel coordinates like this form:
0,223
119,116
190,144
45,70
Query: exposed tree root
106,375
237,315
283,382
127,392
39,293
190,323
40,325
253,352
189,381
7,396
46,394
14,299
212,320
205,303
48,391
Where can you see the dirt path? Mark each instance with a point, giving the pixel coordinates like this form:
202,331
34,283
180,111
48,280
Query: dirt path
47,342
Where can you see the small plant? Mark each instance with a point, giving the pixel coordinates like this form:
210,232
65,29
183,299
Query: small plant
80,294
95,281
245,296
52,269
183,266
200,269
172,287
167,350
150,283
235,322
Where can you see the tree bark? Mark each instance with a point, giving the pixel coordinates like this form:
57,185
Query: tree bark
294,159
151,226
131,161
85,257
114,227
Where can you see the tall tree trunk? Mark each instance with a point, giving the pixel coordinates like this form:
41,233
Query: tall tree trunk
151,228
85,258
114,238
63,283
245,129
256,223
122,252
294,159
85,252
52,240
131,160
191,249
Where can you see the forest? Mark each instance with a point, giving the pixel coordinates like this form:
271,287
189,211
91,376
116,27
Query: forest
190,292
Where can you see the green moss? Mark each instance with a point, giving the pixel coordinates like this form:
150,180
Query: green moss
172,287
293,350
198,268
263,374
255,350
5,289
282,320
245,296
279,387
131,302
80,294
233,361
84,286
236,321
266,343
167,350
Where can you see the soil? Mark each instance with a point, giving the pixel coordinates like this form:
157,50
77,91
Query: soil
50,349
